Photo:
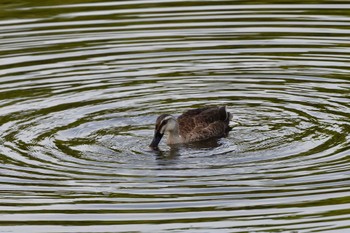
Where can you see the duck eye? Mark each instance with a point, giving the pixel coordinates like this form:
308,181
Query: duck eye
160,126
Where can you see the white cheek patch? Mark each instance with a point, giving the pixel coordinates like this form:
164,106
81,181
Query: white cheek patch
162,130
164,127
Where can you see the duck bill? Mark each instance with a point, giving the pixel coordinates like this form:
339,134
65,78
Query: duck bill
156,139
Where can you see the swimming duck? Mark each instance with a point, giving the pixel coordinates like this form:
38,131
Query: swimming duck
193,125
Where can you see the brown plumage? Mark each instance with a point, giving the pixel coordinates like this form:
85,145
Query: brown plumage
193,125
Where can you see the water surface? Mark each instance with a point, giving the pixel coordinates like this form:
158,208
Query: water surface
82,82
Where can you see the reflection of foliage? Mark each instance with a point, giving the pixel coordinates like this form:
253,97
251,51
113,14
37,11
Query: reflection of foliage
20,8
50,8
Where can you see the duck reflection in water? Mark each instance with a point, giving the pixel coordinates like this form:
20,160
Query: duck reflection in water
174,152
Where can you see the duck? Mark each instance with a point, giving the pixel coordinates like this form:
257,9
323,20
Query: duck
192,126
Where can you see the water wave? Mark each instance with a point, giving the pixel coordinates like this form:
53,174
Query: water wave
82,84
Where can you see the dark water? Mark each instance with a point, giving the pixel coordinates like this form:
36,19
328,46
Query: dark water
82,82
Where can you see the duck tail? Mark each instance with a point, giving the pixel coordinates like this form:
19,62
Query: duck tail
229,116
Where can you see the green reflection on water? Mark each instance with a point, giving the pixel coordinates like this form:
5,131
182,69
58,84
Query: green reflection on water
67,158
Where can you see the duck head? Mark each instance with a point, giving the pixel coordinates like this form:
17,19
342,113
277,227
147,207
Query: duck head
164,123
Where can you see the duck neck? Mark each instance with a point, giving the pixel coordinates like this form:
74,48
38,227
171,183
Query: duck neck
174,136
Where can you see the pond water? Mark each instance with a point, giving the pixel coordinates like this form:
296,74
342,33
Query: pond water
82,83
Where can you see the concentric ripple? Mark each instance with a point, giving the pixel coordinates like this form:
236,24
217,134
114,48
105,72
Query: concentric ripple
82,83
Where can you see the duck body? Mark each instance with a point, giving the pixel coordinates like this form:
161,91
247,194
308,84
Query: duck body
192,126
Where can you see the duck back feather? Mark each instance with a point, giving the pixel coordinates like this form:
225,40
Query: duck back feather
204,123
